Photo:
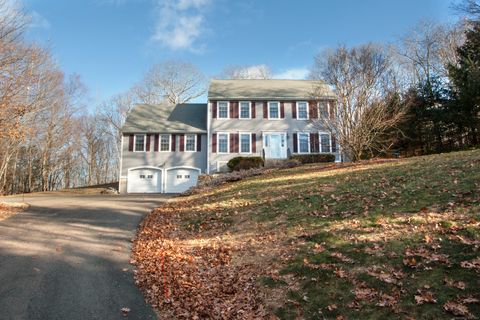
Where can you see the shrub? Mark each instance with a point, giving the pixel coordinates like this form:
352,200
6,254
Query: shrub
314,158
245,163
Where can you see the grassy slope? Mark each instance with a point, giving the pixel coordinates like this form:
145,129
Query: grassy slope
395,239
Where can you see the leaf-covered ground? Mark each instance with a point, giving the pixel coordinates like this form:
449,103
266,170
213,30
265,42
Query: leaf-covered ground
376,240
8,209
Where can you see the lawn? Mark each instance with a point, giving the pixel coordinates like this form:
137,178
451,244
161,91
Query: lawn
373,240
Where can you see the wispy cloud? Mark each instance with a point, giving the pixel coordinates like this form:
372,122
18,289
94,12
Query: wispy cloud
293,73
38,21
181,23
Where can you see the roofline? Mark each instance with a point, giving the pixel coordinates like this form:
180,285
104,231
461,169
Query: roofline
275,98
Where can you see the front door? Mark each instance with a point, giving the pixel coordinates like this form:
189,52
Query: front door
275,145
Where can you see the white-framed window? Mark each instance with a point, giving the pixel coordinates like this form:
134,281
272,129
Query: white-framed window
303,142
223,110
302,110
325,142
273,110
245,110
140,143
191,142
165,142
223,143
245,142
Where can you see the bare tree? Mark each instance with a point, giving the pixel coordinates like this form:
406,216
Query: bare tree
260,71
366,107
171,81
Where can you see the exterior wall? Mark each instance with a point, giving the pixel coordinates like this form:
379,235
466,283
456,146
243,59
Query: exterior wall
161,159
257,125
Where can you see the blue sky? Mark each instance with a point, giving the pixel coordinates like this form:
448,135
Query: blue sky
111,43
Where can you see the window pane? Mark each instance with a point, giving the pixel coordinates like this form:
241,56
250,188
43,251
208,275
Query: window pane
245,143
302,110
303,142
164,142
273,110
223,110
190,142
139,142
325,142
244,110
223,143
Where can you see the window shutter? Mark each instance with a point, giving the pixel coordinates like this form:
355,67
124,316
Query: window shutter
214,109
332,109
254,143
155,145
294,109
334,144
253,111
182,143
312,110
130,143
214,143
282,110
148,143
314,142
199,142
174,142
232,142
295,143
265,110
234,109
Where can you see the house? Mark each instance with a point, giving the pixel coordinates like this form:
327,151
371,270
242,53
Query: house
165,148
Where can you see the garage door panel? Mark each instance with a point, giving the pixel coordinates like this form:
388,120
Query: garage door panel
144,180
181,179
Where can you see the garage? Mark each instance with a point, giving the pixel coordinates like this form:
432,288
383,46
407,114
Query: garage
181,179
144,180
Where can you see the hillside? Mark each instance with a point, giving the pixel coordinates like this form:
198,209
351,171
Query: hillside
394,239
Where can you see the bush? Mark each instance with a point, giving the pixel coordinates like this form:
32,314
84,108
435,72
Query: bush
314,158
245,163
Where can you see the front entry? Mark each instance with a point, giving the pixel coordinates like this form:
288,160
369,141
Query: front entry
275,145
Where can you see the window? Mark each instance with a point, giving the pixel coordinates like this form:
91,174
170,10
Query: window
245,143
187,176
325,143
140,142
190,142
150,176
273,110
142,176
222,110
302,110
179,176
323,106
222,142
303,143
244,110
164,142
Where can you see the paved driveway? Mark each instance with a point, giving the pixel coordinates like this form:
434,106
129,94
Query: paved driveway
67,257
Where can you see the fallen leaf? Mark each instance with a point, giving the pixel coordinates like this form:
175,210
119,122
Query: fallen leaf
125,311
457,309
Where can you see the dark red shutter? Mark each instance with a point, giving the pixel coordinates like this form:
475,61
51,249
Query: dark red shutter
314,142
214,143
254,142
156,142
130,143
334,144
313,110
174,142
234,109
232,142
214,109
148,143
282,110
199,142
295,143
332,109
253,110
294,109
182,143
265,110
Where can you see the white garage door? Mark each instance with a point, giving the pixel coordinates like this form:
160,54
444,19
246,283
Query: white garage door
181,179
144,180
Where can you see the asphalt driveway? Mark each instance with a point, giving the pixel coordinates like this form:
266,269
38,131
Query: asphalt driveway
67,257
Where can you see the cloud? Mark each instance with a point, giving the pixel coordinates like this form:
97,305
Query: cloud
181,23
38,21
293,73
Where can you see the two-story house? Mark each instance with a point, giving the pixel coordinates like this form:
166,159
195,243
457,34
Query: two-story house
165,148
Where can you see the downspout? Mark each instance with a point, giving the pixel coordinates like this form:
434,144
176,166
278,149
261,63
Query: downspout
121,162
208,137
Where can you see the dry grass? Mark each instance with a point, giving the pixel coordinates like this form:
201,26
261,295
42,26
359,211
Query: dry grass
8,209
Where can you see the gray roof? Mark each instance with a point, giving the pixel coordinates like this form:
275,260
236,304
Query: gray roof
188,117
269,89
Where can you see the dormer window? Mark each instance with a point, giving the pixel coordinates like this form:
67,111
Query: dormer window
222,110
245,110
273,110
302,110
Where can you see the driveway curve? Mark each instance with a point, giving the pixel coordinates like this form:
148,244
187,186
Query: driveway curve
67,257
